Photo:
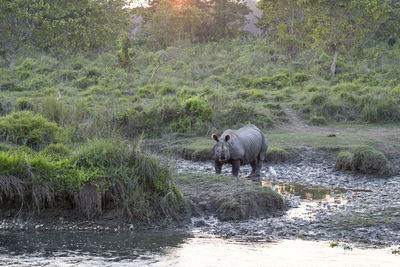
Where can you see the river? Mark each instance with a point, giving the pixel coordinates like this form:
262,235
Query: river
175,248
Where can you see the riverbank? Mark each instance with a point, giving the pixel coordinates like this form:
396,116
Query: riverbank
318,202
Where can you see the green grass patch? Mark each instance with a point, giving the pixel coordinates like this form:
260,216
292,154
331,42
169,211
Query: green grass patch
320,141
26,128
101,171
276,154
364,159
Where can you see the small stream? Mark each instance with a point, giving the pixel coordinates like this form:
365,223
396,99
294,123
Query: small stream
165,248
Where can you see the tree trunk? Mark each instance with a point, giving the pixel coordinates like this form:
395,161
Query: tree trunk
333,66
12,64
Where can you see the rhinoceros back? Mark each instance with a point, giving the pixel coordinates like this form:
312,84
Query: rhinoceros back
247,143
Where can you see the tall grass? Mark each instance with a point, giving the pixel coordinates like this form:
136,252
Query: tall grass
111,170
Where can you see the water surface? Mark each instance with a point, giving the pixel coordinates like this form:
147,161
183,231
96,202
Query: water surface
166,248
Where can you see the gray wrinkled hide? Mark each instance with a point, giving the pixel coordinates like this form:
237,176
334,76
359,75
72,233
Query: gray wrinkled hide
247,144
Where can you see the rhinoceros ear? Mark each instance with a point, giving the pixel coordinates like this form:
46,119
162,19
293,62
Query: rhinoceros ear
227,137
215,137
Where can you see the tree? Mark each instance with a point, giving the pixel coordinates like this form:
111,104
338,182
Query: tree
390,30
80,25
168,21
18,20
229,18
162,23
283,21
343,24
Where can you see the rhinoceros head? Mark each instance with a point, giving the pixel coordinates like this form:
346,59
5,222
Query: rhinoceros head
221,148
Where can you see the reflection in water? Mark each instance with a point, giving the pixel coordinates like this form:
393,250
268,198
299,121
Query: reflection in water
176,249
113,246
315,198
309,192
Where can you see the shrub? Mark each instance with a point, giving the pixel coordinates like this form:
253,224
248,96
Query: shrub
252,95
369,160
146,91
57,150
23,103
167,89
276,155
152,121
133,180
343,161
396,92
93,72
24,70
25,128
193,117
300,78
317,120
363,159
277,81
318,98
53,110
388,109
37,83
346,87
69,75
85,82
369,113
10,85
238,114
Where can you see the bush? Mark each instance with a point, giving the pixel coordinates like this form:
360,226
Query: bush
53,110
24,70
277,81
193,117
152,121
318,98
343,161
25,128
317,120
37,83
10,85
300,78
85,82
93,72
369,160
24,103
133,180
363,159
252,94
238,114
277,155
69,75
369,113
57,150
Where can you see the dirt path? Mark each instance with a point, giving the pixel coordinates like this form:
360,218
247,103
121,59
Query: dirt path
297,124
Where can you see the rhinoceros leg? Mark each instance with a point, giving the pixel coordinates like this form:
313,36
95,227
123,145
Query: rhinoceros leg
258,169
218,167
235,167
253,165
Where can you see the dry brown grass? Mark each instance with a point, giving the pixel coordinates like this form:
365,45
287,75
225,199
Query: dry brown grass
11,188
89,201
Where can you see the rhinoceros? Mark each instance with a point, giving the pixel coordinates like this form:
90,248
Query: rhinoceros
238,147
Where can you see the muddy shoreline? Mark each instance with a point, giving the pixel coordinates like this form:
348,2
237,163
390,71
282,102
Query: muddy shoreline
367,212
